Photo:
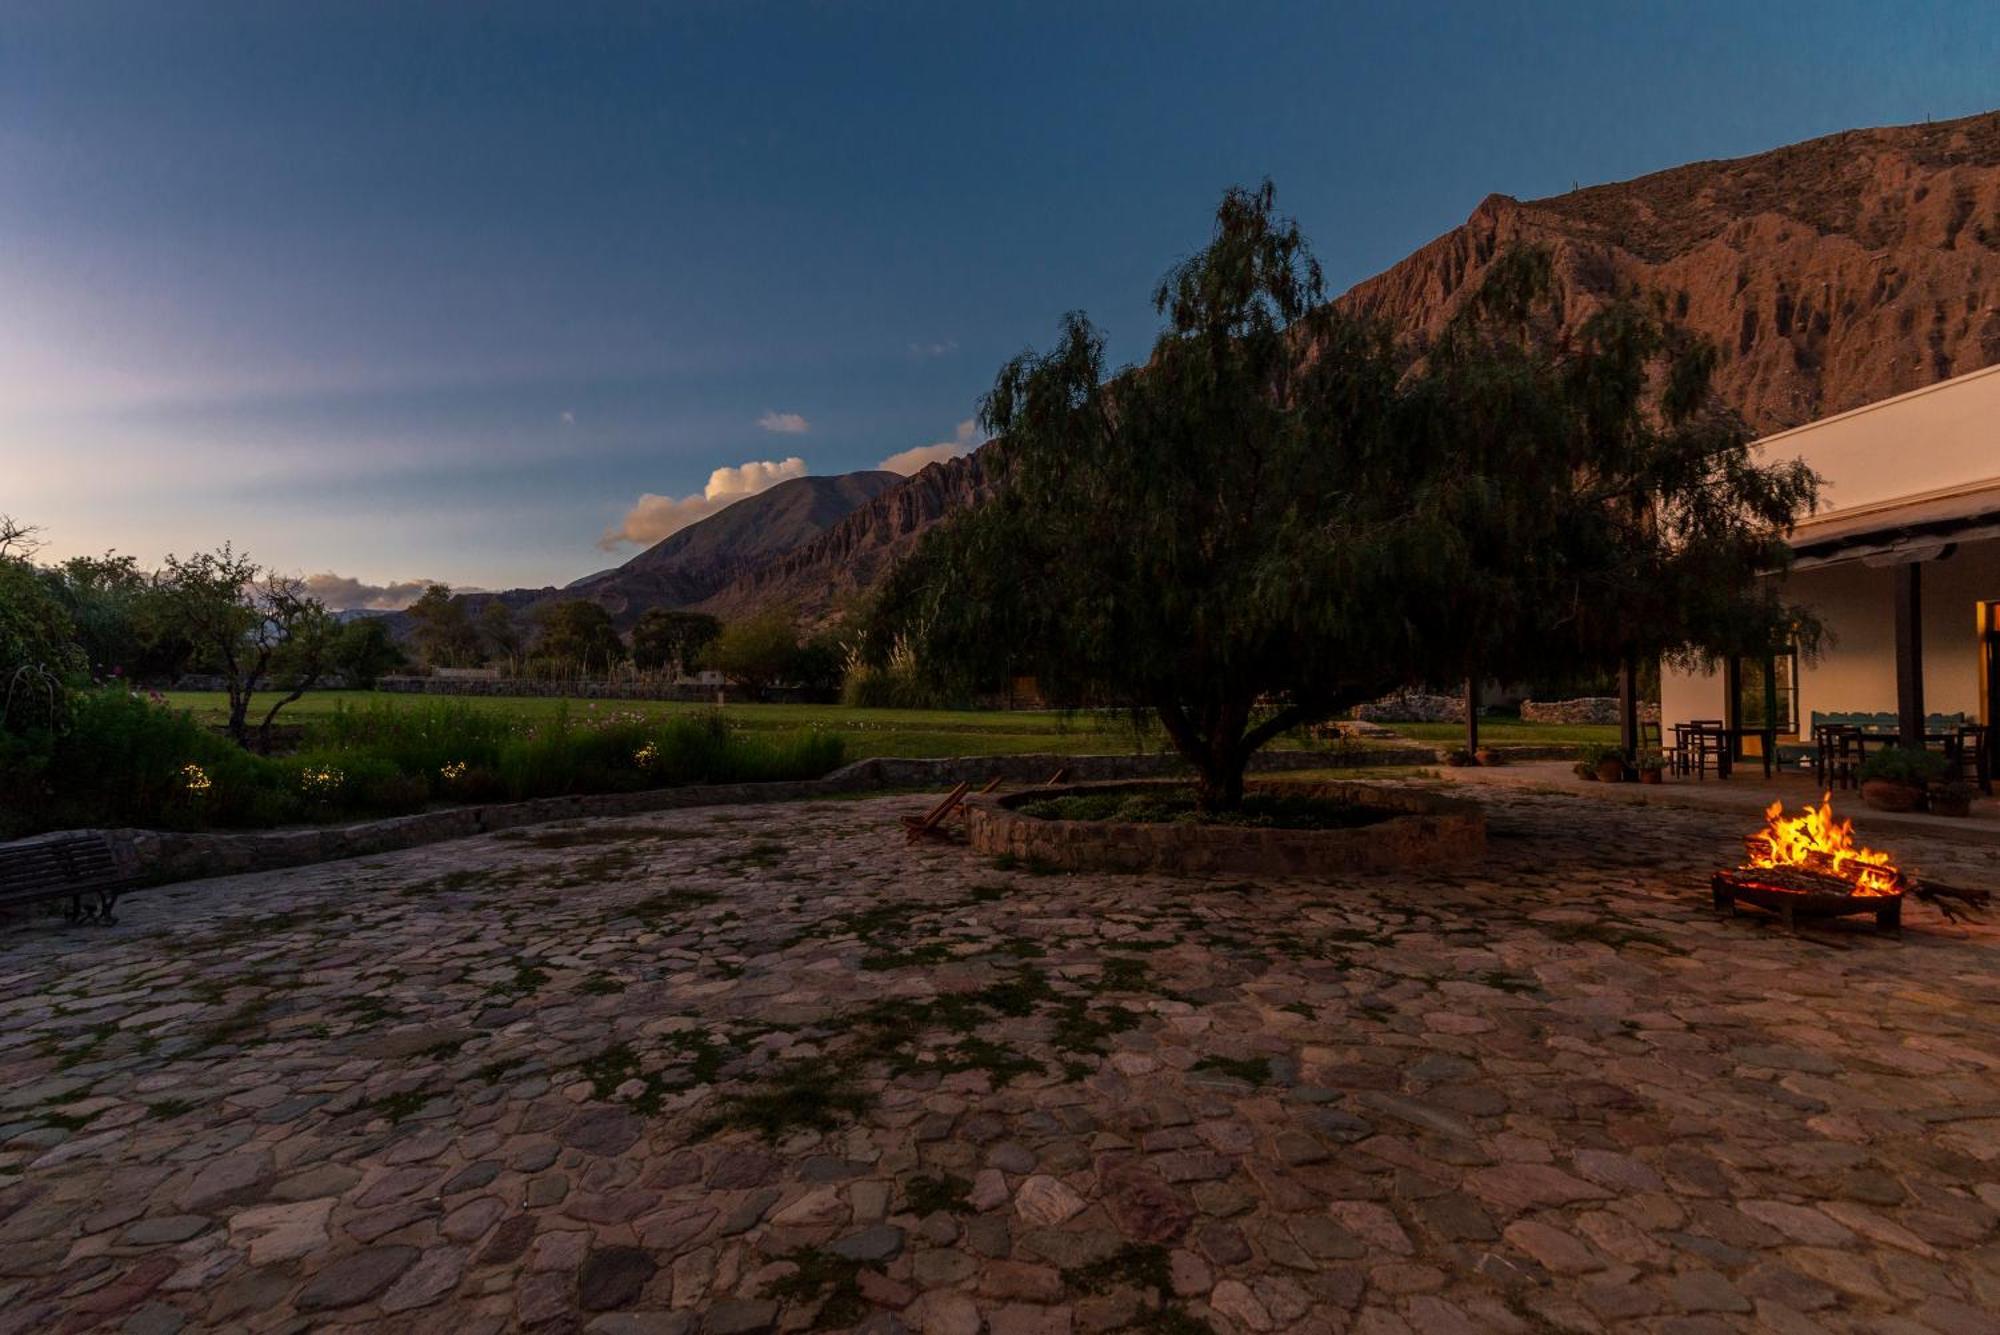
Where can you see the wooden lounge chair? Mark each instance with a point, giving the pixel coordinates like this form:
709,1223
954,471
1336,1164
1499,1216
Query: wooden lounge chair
918,827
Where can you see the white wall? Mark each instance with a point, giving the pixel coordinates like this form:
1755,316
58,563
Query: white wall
1934,441
1856,671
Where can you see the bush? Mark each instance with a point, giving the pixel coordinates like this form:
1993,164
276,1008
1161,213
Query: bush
125,760
1903,764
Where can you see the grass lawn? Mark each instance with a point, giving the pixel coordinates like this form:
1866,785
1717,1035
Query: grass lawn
914,733
1513,730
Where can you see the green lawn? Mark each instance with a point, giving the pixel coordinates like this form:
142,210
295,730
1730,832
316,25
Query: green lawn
867,732
1503,731
889,732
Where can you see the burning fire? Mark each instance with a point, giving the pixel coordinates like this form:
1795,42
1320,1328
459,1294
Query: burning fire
1814,841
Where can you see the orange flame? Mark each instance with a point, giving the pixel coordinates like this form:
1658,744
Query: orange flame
1815,841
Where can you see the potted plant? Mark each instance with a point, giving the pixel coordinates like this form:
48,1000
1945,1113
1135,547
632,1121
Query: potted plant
1894,778
1586,769
1609,762
1458,757
1952,798
1652,768
1487,755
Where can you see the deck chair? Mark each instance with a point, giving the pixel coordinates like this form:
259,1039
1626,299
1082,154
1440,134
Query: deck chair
917,827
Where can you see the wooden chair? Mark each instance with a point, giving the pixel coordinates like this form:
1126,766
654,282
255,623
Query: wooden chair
1706,740
919,827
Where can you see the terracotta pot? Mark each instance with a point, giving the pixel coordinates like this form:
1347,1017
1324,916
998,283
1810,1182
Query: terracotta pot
1611,771
1651,776
1486,755
1951,806
1888,795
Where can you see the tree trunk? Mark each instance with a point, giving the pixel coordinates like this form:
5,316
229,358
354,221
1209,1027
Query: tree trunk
1219,789
239,727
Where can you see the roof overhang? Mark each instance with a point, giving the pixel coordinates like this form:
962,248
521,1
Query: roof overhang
1914,528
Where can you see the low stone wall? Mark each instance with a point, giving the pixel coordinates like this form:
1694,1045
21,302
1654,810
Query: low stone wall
1433,829
596,690
1598,709
162,856
1413,707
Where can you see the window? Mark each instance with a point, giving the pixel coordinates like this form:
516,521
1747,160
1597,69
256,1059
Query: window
1765,691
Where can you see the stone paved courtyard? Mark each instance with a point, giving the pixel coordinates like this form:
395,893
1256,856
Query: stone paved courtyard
767,1067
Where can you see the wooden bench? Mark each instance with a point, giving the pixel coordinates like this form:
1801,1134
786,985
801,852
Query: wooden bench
81,868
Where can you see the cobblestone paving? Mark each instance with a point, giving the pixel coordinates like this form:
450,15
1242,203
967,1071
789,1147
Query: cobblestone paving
767,1067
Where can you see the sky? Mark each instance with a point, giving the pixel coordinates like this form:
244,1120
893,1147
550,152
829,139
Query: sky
496,294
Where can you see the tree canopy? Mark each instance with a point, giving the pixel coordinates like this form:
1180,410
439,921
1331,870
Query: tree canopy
1283,514
578,631
665,638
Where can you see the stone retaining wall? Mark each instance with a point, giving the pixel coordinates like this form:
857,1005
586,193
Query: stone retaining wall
161,856
1598,709
1413,707
1432,829
597,690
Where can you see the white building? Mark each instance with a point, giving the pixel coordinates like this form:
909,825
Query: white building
1902,565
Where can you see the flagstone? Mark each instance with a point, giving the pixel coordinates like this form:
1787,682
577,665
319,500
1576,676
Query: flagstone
1554,1077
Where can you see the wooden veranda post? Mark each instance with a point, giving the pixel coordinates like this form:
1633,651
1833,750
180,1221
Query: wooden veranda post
1910,654
1628,710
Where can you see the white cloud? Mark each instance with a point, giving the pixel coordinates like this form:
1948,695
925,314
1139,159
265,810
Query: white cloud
569,417
785,424
941,348
966,438
655,517
345,593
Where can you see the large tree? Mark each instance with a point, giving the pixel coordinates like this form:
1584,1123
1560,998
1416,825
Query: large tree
444,633
1280,515
665,638
257,629
578,632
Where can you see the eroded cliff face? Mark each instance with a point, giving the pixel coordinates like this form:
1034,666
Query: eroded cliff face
1829,274
824,572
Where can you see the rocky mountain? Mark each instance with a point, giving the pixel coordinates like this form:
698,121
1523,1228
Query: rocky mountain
821,573
1829,274
693,563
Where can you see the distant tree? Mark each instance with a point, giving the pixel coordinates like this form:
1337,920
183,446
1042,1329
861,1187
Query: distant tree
669,639
578,631
364,650
755,651
818,663
499,635
1278,517
39,657
444,633
110,600
254,628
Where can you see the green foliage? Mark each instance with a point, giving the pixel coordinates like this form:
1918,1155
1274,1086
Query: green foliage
444,635
39,658
123,760
1903,764
668,639
499,637
364,651
755,651
257,629
1279,507
578,632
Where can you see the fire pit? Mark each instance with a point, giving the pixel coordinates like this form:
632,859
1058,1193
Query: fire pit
1808,866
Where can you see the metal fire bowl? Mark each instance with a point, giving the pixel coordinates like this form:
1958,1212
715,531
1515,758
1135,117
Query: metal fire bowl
1791,905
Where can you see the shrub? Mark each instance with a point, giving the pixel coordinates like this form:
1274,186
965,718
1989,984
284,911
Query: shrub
1903,764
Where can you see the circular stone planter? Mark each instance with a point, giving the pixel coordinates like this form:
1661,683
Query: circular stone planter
1426,829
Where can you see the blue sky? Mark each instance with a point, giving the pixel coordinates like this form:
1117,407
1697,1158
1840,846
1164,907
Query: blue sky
410,291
